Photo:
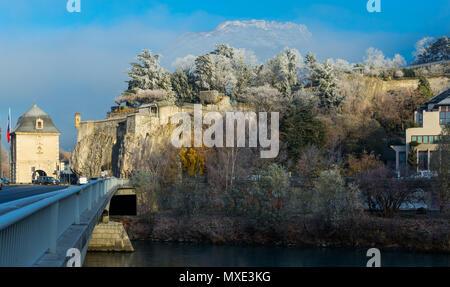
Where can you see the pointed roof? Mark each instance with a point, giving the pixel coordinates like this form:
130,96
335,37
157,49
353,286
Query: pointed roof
441,99
27,122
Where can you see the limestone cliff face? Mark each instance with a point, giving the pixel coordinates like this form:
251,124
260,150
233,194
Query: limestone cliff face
96,142
140,129
438,84
113,143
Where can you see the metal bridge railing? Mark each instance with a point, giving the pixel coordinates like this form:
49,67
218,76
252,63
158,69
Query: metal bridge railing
28,232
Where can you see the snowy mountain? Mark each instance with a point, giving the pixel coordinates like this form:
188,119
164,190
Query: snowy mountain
264,38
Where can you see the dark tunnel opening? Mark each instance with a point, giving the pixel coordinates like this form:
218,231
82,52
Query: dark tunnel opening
123,205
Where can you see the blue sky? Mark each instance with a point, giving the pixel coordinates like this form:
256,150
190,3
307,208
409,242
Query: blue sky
402,16
76,62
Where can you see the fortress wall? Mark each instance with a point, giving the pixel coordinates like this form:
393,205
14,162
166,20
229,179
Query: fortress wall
87,128
113,142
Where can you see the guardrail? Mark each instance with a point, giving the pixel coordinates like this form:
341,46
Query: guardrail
428,64
28,232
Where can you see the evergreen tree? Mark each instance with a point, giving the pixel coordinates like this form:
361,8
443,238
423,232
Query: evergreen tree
424,89
312,65
281,71
148,75
299,128
437,51
183,84
327,85
225,70
224,50
204,70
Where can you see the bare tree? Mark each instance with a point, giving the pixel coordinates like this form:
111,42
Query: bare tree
155,166
383,191
264,98
144,97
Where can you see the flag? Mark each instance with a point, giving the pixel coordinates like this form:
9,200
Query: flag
9,126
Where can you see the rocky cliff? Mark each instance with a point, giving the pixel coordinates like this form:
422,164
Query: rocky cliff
96,143
113,143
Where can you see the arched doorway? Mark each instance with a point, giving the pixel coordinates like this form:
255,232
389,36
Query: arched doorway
39,173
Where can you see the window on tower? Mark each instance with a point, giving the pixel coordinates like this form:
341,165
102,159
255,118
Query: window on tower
39,124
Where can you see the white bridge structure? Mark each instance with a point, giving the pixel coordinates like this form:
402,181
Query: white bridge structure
38,230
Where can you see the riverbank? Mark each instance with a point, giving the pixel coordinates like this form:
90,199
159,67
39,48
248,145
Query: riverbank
424,234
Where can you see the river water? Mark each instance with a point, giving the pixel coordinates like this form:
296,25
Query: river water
151,254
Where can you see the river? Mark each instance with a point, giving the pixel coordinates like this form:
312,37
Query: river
151,254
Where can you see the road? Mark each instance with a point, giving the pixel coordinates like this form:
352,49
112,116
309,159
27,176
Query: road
10,193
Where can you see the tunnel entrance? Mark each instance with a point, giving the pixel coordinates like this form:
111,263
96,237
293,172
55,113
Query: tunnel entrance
123,205
38,173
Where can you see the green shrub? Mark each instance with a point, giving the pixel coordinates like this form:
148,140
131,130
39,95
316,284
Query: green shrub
334,202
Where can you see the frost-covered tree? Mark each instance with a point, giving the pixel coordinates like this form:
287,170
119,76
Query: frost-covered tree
399,74
327,85
225,69
204,70
224,50
324,77
312,66
263,98
421,46
398,62
375,62
243,70
342,66
148,74
428,51
281,71
224,77
183,84
185,64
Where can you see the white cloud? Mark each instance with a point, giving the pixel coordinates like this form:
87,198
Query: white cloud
262,38
185,63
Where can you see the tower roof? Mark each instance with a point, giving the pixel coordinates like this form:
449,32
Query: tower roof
27,122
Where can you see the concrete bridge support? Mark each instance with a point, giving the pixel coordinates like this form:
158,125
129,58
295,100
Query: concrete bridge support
109,235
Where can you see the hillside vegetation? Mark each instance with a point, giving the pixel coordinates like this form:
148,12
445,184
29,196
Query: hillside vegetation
337,123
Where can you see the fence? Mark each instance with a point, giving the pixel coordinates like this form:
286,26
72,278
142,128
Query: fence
28,232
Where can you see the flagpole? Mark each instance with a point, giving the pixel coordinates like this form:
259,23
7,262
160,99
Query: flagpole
9,131
1,145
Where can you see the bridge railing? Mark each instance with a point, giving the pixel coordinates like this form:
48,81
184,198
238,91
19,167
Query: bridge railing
28,232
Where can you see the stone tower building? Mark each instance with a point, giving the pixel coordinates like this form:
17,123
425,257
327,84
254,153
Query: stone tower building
34,147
